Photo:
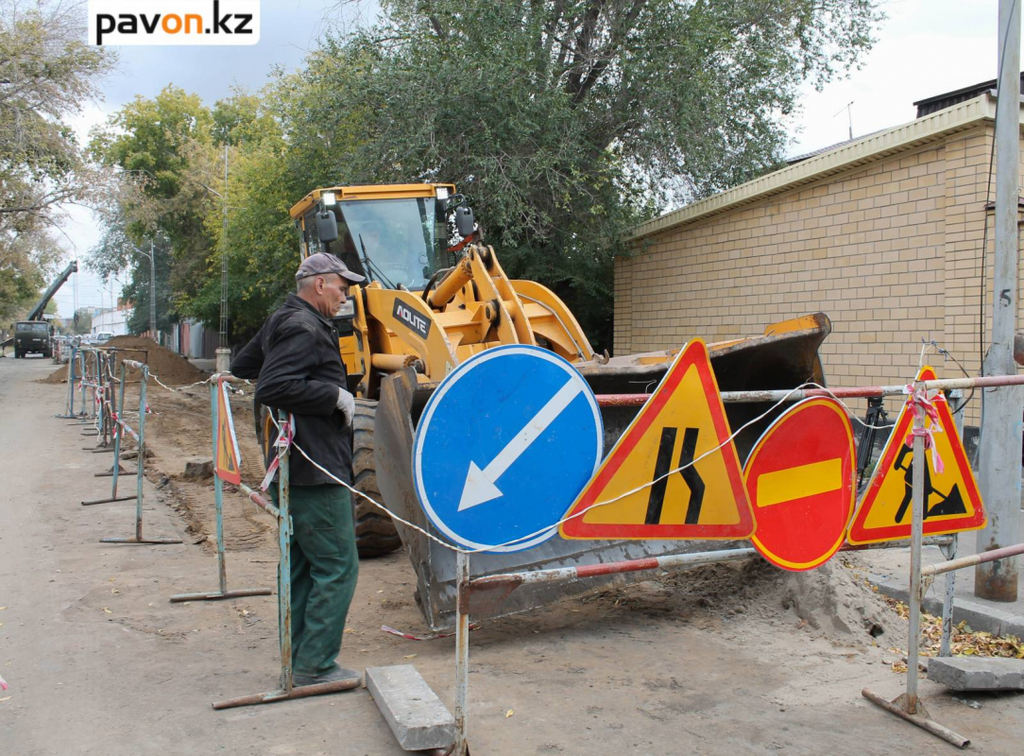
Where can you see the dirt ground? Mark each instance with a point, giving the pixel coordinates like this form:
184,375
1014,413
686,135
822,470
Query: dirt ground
732,659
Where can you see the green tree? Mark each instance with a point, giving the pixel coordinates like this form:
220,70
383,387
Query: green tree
567,121
260,242
47,71
81,321
28,262
171,154
154,143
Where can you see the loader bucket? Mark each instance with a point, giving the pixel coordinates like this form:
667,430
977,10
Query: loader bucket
784,357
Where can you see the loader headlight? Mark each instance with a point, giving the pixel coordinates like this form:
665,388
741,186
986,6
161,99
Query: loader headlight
328,199
347,309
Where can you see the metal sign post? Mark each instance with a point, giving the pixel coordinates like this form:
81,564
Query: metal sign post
911,704
461,747
908,705
218,495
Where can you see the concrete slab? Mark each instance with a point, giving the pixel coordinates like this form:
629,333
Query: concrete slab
415,714
974,673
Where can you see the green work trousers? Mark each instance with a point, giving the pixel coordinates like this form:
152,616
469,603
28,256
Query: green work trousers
325,564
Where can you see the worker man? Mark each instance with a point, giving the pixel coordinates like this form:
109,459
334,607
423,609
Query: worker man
298,368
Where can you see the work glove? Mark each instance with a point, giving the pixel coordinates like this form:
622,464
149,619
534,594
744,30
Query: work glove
347,404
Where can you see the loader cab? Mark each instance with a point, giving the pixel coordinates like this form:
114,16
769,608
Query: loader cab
396,236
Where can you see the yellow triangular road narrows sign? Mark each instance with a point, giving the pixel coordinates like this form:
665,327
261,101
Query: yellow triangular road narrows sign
683,420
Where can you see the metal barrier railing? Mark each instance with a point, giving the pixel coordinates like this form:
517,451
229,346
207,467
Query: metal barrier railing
217,394
90,386
108,385
908,705
117,427
120,428
72,379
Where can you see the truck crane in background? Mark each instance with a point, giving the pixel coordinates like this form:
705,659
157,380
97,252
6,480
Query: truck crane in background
33,334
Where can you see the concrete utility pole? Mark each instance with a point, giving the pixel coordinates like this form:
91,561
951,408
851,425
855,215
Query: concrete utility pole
152,292
223,350
1000,451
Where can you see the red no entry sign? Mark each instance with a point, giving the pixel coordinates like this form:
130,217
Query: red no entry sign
800,481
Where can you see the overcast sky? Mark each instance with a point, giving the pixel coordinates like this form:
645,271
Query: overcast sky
926,47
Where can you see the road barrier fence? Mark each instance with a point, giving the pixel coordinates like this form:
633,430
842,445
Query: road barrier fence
89,370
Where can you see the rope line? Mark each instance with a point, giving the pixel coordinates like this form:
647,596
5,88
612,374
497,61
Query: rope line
608,502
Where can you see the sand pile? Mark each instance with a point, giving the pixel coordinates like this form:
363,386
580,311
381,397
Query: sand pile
60,375
834,601
169,367
835,598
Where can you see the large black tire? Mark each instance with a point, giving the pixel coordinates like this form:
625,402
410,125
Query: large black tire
375,531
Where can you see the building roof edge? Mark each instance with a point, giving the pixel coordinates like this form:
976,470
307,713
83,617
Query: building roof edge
854,154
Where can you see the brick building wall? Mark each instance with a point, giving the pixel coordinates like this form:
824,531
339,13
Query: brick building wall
890,250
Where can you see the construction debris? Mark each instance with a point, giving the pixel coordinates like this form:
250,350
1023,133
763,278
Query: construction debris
415,714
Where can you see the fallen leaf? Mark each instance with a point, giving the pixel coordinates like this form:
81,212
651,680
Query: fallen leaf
114,591
2,608
5,698
107,610
509,713
410,656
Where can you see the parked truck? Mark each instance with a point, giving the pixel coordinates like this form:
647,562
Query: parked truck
34,334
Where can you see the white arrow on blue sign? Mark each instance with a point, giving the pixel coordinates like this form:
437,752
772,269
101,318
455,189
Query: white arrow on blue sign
504,447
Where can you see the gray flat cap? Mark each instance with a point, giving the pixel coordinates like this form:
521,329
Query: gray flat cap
322,263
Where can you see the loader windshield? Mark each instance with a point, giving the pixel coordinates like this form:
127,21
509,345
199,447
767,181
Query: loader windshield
396,239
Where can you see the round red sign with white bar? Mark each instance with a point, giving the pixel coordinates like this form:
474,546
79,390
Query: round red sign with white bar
800,479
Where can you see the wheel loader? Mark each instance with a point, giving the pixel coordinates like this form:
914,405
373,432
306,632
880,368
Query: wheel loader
434,296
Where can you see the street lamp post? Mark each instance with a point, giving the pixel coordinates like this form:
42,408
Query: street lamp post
152,290
223,350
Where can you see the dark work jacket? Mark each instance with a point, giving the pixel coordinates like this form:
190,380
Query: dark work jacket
298,368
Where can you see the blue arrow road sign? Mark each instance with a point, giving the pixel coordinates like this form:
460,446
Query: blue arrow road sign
504,447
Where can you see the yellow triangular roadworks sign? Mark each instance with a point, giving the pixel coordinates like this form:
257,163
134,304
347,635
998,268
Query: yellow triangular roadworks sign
952,501
226,464
683,420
